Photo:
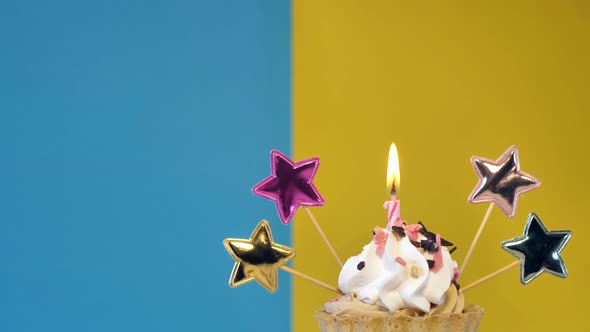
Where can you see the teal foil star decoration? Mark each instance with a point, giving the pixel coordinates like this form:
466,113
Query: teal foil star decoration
538,250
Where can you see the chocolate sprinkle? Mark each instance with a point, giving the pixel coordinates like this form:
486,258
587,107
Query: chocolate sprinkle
415,243
456,284
360,265
399,230
430,263
452,250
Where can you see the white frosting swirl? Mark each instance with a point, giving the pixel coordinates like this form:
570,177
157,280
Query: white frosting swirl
398,277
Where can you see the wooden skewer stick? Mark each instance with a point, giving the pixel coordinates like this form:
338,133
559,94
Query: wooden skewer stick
317,226
476,238
490,276
310,279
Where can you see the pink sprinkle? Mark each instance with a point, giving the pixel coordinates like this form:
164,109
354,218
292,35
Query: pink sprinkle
438,261
401,261
455,274
380,239
414,228
413,231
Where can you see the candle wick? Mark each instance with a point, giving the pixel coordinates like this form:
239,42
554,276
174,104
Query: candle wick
393,190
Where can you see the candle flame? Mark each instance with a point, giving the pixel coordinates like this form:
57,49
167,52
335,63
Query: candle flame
393,170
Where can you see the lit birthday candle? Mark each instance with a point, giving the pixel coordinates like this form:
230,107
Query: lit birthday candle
393,181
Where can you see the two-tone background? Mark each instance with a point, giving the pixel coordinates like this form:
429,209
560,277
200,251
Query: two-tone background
131,133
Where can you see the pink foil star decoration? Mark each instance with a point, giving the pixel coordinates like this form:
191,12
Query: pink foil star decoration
501,181
290,184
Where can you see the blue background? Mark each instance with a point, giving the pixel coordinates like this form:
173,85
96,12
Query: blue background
131,133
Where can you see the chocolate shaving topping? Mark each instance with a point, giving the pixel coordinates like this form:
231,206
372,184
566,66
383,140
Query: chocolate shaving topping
432,236
374,232
452,250
424,231
430,263
456,284
445,243
428,245
399,230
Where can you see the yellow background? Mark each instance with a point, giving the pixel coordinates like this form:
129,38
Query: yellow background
445,82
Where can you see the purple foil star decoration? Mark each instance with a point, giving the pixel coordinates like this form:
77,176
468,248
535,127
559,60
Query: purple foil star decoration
290,184
501,181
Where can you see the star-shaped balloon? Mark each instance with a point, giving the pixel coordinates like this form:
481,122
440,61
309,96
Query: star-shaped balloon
290,184
257,258
501,181
538,250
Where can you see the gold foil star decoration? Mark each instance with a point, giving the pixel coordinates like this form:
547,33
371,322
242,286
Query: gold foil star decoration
257,258
501,181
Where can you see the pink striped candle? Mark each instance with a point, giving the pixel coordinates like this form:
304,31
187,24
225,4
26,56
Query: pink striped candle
393,212
394,217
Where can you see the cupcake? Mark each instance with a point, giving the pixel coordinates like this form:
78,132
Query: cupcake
403,280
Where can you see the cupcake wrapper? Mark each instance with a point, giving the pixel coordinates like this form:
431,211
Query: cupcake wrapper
467,321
